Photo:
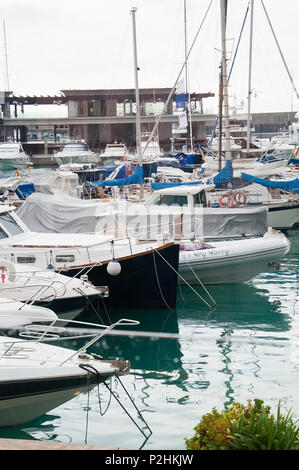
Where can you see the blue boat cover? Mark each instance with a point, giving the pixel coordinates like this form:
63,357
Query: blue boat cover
292,185
24,190
135,178
293,161
188,158
225,175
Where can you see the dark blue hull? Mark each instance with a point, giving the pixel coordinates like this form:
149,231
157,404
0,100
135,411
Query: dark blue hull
148,280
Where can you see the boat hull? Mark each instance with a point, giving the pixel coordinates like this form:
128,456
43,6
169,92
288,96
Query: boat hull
231,263
24,401
148,280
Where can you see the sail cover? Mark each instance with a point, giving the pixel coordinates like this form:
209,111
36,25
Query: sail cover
291,185
225,175
135,178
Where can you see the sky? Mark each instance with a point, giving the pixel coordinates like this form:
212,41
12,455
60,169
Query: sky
75,44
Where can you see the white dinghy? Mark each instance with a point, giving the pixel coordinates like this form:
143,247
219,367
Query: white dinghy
231,262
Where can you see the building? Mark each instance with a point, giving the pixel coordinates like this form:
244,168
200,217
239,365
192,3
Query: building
105,116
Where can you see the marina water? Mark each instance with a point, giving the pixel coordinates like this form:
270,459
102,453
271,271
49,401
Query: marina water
245,347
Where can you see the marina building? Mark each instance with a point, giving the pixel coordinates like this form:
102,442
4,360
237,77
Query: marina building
104,116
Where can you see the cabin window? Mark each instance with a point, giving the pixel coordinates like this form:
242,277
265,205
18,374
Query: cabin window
26,259
65,258
3,234
10,224
172,200
199,199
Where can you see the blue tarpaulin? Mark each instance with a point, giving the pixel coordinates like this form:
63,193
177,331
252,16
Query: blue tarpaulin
188,158
24,190
292,185
223,176
135,178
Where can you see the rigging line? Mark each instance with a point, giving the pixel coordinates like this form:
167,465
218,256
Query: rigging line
206,290
175,83
280,51
198,295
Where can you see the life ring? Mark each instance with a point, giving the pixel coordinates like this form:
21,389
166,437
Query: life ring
10,267
296,152
230,201
240,198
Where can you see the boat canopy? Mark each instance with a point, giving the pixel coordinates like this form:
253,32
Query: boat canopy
291,185
225,175
135,178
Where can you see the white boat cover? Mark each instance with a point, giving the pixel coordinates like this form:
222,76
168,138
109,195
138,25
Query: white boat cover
61,213
65,214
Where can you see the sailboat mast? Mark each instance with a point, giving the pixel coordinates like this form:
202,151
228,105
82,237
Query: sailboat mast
187,79
249,81
138,126
226,125
6,58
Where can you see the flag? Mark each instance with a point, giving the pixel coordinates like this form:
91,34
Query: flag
183,120
180,95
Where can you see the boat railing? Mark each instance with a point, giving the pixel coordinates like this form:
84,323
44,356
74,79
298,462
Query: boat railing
40,332
42,293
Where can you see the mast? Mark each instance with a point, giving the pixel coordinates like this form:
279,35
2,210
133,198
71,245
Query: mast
187,81
220,117
6,59
249,82
226,126
138,127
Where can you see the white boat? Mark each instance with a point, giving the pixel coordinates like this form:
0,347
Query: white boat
12,156
227,262
76,151
282,209
36,377
66,296
114,154
132,279
15,314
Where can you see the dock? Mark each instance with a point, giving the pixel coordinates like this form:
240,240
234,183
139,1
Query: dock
24,444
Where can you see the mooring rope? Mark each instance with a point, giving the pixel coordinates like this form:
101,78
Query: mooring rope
205,289
178,274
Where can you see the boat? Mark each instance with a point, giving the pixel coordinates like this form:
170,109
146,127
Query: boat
139,273
282,208
227,262
14,314
38,377
67,297
13,157
76,151
114,154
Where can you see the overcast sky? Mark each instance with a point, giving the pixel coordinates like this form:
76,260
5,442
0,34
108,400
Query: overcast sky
88,44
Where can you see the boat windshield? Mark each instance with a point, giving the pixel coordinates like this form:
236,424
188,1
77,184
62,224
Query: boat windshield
75,147
8,223
8,149
167,199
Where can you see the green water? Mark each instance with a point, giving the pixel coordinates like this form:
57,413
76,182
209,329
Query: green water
175,381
